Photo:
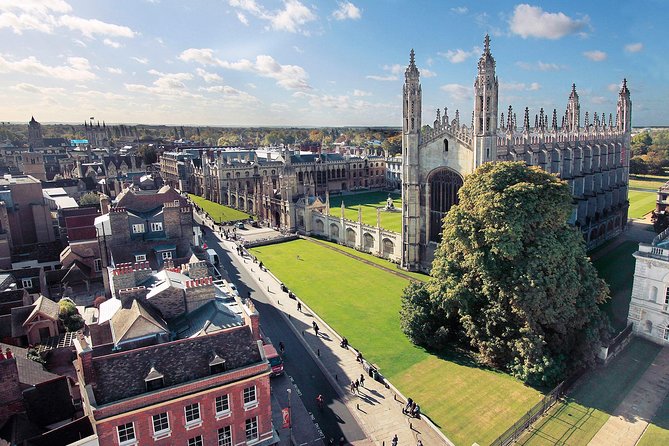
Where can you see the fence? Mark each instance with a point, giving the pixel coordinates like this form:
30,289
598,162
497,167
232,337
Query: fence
616,345
514,432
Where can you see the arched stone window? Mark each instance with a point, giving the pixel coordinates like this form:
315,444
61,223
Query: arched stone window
319,226
652,295
350,236
445,145
649,326
444,185
388,247
368,241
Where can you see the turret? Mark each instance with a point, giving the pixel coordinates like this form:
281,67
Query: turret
412,97
485,89
573,114
624,111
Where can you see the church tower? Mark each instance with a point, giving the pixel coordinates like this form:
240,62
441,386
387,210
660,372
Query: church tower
411,221
573,115
485,107
35,138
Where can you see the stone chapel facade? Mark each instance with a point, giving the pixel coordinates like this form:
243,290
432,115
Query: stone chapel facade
593,158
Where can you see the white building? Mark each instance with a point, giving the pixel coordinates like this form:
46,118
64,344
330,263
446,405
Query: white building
649,308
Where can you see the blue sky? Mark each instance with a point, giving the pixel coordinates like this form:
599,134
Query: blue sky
321,63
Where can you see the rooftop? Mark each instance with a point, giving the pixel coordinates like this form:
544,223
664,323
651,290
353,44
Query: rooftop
8,179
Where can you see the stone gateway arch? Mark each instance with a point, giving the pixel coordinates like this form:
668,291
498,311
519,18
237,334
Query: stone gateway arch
591,155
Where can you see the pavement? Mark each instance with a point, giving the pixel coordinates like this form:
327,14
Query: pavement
630,419
376,407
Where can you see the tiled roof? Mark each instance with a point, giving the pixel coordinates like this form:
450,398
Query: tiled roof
135,322
146,202
45,306
121,375
19,316
209,318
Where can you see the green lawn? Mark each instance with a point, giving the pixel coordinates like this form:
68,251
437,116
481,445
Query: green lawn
362,302
616,267
577,419
652,182
369,201
377,260
658,429
641,203
218,212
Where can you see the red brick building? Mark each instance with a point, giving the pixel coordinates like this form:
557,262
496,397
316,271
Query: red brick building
210,386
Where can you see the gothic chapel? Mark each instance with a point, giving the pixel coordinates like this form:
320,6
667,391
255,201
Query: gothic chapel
593,157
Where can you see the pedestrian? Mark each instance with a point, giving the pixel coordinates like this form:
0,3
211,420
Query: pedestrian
420,443
299,306
352,387
408,406
395,440
362,379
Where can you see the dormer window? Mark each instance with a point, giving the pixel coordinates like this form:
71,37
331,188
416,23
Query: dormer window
154,380
217,365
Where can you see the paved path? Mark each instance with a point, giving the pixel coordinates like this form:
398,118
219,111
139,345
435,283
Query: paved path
377,408
630,419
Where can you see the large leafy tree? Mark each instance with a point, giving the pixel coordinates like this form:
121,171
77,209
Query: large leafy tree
511,278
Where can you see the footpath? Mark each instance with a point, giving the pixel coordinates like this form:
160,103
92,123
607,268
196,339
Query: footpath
630,419
377,406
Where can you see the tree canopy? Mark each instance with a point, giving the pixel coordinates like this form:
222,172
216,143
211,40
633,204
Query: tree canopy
510,279
89,198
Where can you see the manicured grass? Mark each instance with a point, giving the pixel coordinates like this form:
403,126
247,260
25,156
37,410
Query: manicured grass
577,419
218,212
369,201
362,302
641,203
658,429
377,260
616,267
652,182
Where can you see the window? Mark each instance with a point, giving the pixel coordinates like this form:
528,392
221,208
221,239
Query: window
138,229
225,436
156,226
252,429
635,312
176,202
26,283
166,255
666,296
222,404
140,257
126,433
161,423
250,396
195,441
154,384
192,413
98,265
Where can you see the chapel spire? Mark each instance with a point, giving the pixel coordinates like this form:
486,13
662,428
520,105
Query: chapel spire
486,89
412,97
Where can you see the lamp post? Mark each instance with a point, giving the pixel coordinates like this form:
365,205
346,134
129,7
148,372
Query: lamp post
290,416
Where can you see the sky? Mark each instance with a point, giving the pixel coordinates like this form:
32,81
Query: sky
321,62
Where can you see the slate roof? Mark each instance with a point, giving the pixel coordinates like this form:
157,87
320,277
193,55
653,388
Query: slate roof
30,372
19,316
121,375
209,318
49,402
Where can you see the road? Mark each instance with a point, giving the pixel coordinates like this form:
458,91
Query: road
334,420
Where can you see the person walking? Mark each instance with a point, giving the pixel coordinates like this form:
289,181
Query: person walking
357,386
362,379
299,306
352,387
395,440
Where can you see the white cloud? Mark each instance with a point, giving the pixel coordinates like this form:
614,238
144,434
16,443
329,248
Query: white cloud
460,10
26,22
230,93
207,76
394,69
35,6
347,10
298,49
459,55
78,68
458,92
80,43
540,66
242,18
167,84
112,43
633,47
142,60
290,77
519,86
595,56
532,21
424,72
92,27
361,93
291,18
203,56
30,88
113,70
251,85
390,77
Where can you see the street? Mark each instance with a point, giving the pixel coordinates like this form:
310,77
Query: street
334,420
